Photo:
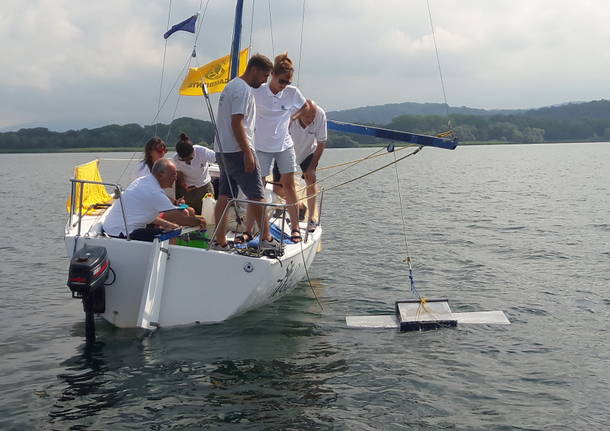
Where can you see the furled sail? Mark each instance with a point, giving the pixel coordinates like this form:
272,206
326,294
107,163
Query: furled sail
93,194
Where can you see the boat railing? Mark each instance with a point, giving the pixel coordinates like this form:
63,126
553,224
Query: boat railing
80,184
283,207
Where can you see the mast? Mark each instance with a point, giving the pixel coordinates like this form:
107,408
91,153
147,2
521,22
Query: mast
239,9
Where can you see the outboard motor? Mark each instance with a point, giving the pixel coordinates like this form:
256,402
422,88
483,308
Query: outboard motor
89,269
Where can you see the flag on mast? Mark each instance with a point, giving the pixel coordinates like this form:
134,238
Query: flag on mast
215,75
186,25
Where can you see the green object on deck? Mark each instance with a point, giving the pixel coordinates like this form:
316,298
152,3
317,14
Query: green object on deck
194,239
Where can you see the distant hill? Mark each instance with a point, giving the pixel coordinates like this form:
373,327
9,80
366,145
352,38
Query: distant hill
571,122
384,114
594,110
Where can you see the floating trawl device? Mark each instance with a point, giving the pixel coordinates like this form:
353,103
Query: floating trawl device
425,314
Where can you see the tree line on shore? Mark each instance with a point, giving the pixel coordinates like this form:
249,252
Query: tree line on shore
469,128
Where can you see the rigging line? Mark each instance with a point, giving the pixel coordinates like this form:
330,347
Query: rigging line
251,24
438,61
169,13
404,230
271,29
315,295
338,165
412,153
301,43
157,115
351,165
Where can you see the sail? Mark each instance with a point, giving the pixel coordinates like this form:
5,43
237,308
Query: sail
215,74
93,194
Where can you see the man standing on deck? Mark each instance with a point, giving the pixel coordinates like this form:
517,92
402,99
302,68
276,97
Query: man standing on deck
235,151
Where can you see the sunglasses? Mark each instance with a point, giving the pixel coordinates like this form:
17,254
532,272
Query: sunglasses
284,81
161,148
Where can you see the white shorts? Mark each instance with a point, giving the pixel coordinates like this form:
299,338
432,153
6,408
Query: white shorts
286,161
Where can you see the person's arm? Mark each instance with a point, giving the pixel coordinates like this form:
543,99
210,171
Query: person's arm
242,140
180,180
181,218
317,155
164,224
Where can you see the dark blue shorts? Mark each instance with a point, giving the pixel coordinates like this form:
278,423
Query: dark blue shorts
232,164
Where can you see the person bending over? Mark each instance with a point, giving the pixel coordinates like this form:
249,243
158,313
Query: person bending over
143,201
194,180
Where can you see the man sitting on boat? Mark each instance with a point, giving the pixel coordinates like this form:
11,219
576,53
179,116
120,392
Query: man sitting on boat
235,151
143,201
194,180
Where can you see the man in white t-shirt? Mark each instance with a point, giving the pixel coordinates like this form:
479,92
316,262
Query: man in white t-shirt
235,151
143,201
194,180
309,134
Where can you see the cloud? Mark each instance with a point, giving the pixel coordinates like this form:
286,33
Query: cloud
72,64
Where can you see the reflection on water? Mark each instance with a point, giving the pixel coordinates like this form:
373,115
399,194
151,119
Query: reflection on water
519,228
189,377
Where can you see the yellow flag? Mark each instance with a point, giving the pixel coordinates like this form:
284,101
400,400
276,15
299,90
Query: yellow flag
215,74
92,193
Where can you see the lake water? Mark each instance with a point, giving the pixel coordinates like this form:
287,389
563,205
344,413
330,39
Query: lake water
524,229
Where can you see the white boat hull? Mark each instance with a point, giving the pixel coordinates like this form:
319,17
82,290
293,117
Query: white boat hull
199,285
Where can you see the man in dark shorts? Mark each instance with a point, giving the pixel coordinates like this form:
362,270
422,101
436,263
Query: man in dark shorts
235,152
309,134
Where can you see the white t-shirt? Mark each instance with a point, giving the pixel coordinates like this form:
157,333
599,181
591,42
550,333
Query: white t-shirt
306,139
143,200
236,98
196,173
273,112
143,170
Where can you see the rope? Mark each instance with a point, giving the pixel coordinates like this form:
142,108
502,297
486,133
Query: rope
271,29
315,295
251,24
438,62
169,93
169,13
301,43
404,230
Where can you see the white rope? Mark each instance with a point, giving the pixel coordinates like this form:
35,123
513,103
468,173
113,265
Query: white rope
438,61
301,43
251,26
271,29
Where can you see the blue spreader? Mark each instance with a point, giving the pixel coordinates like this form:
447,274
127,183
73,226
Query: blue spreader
394,135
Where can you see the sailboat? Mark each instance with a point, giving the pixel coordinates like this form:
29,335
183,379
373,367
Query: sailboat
135,284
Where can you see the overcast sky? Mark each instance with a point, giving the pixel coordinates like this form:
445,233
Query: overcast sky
69,64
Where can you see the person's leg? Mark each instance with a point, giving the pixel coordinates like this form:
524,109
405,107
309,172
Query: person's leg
227,184
251,184
221,222
311,190
287,166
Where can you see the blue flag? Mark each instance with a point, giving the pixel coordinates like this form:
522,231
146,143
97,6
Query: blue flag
186,25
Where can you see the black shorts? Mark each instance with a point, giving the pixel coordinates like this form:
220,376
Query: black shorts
304,166
147,234
250,183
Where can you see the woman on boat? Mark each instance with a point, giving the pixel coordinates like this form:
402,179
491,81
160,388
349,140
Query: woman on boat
194,180
154,150
276,103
